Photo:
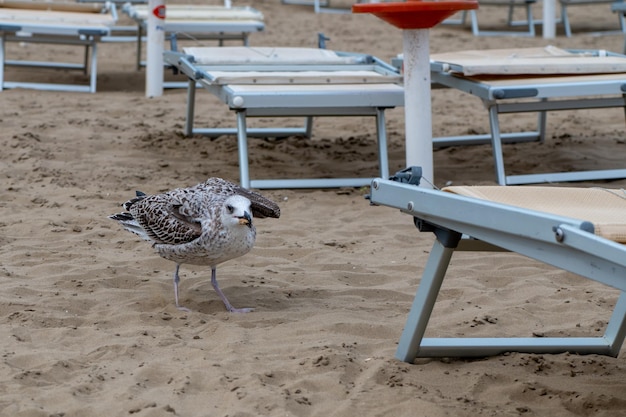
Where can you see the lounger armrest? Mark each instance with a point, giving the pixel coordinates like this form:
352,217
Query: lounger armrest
580,239
474,216
94,32
10,28
184,63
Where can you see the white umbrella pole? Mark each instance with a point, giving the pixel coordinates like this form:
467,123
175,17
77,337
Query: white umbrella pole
156,39
417,106
549,19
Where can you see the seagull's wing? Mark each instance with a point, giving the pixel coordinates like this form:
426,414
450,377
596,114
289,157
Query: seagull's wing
167,219
261,206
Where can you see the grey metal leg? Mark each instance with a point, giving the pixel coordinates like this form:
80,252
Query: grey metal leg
496,143
93,78
242,144
2,60
413,343
424,302
509,18
139,35
308,127
316,6
86,59
622,25
191,103
616,329
529,22
565,19
474,20
542,119
381,134
460,21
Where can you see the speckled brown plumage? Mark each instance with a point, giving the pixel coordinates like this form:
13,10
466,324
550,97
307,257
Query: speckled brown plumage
206,224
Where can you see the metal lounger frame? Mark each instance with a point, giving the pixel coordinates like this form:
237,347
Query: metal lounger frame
292,103
320,6
559,241
199,30
530,95
83,35
88,66
511,5
567,27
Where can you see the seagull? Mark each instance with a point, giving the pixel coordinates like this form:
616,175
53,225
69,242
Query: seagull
206,224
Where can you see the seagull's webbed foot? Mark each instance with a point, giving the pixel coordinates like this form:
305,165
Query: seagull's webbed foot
219,292
239,310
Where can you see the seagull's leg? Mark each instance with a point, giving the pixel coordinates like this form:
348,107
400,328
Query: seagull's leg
176,281
219,292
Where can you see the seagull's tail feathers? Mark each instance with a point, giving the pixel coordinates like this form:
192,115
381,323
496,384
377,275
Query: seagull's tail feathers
129,223
138,197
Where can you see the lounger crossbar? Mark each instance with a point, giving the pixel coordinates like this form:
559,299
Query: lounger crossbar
466,223
280,83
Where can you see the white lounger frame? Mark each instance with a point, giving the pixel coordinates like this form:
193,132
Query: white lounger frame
536,95
511,5
291,100
323,6
620,9
54,32
200,27
567,27
559,241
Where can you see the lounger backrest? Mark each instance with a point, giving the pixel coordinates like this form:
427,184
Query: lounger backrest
201,13
51,6
55,17
605,208
542,60
268,56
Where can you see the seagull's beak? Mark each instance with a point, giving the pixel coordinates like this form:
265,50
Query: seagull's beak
246,219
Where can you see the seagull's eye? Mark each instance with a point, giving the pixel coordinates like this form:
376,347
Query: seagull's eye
230,209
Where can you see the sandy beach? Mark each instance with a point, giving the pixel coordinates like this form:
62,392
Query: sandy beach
87,314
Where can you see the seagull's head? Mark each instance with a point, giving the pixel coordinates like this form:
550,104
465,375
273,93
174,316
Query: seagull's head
237,211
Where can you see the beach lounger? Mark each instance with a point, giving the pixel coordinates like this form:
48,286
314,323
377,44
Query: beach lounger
511,5
620,9
324,6
566,4
288,82
534,80
200,22
121,31
580,230
54,23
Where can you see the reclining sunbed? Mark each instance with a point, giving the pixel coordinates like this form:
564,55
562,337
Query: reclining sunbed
532,80
288,82
580,230
324,6
200,22
511,5
54,23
